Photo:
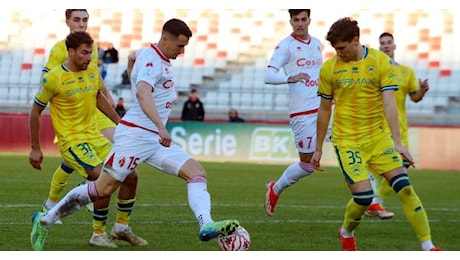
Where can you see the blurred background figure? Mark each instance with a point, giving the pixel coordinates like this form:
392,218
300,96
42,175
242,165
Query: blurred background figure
120,108
193,109
233,116
100,61
125,83
110,55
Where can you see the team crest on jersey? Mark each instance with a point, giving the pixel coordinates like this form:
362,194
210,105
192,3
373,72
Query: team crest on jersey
149,65
371,70
355,170
80,79
355,70
121,162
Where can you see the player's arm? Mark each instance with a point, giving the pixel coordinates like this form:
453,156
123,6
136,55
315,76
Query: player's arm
322,124
273,77
36,155
389,107
147,103
106,92
106,107
131,60
420,93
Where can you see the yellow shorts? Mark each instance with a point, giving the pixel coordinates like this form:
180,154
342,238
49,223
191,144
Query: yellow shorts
377,157
87,154
103,121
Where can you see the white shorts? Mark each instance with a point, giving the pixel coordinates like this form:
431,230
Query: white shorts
134,146
304,131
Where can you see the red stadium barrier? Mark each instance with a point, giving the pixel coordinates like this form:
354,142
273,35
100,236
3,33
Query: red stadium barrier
435,148
15,134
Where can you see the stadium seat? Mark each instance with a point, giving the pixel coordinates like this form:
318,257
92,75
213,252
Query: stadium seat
232,47
210,100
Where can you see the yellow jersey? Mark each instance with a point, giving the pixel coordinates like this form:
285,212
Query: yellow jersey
57,57
73,105
407,83
356,88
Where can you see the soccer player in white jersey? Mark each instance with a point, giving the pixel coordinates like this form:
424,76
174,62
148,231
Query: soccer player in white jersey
141,136
300,57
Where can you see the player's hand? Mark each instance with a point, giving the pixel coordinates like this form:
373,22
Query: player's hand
165,139
424,85
299,77
132,56
36,158
315,159
406,155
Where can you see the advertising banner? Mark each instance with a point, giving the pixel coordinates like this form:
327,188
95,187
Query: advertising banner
239,142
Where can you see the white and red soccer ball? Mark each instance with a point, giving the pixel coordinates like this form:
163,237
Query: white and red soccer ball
237,241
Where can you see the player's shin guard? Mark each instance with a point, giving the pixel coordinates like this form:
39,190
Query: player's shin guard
292,175
125,207
199,199
383,187
100,215
412,206
72,202
355,209
59,181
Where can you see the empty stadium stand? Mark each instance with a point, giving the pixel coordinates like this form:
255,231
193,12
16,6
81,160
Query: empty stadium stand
228,53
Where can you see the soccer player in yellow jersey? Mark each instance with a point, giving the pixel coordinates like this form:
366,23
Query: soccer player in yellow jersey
408,86
77,20
362,82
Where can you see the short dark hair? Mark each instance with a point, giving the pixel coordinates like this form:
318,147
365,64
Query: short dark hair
385,34
177,27
294,12
344,29
76,39
68,12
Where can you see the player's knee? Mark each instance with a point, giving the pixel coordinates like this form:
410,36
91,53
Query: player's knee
66,168
306,167
93,173
399,181
132,178
92,176
197,178
363,198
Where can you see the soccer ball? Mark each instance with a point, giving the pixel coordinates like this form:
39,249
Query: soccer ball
237,241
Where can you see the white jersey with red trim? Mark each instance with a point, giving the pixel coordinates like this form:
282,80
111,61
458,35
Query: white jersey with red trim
295,56
154,68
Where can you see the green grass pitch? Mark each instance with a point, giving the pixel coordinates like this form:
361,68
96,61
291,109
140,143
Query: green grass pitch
307,216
